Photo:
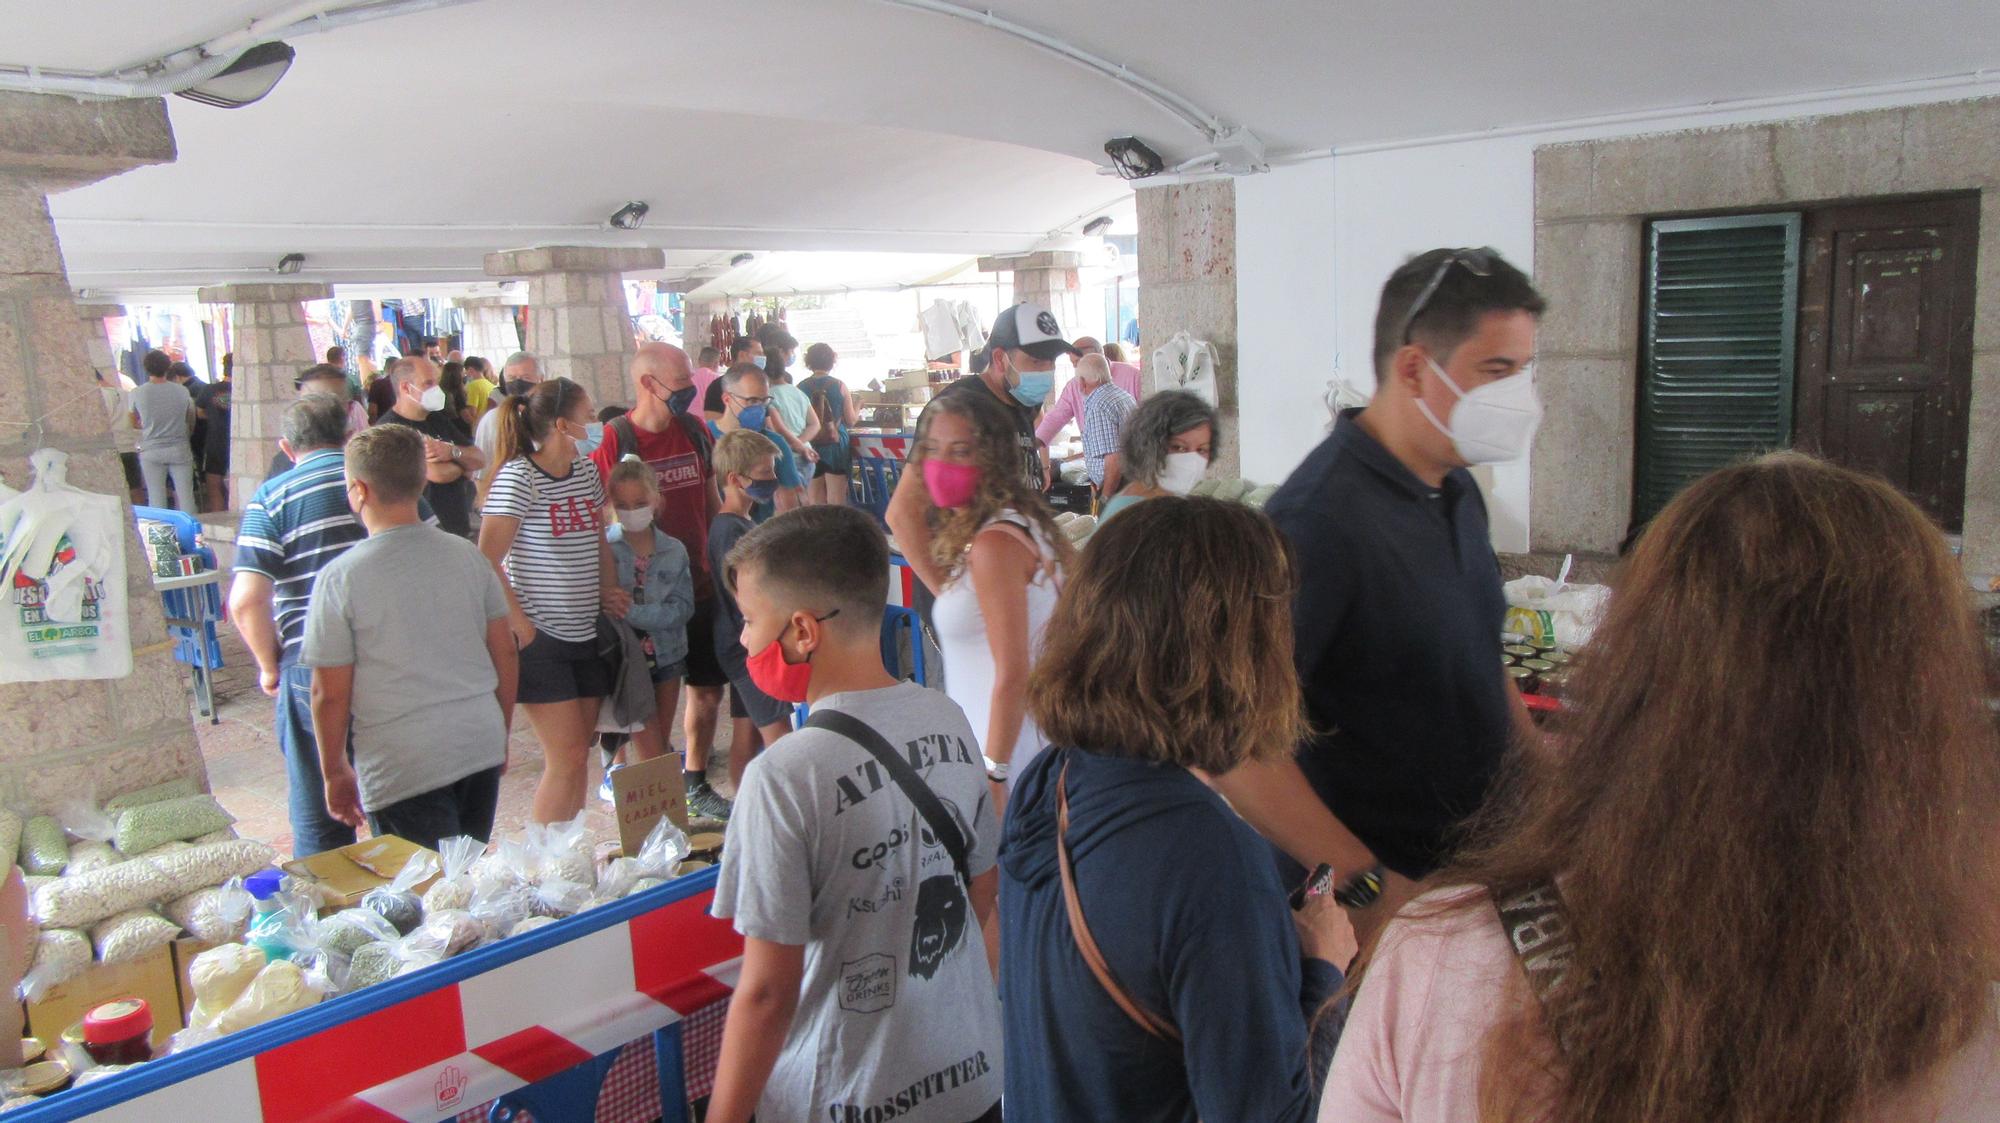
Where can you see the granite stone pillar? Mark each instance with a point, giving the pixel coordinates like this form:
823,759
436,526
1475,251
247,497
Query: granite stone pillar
490,331
61,740
272,347
577,323
1049,279
104,360
1187,282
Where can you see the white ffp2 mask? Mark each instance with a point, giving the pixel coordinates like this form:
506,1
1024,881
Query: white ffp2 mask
1181,471
1493,424
433,399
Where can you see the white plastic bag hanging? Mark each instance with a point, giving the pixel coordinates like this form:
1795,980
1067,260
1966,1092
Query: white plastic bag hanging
62,553
1187,363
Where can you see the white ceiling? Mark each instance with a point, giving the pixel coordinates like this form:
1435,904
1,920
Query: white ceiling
404,149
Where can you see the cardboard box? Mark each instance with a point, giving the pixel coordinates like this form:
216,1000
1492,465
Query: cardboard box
185,949
643,793
151,977
345,875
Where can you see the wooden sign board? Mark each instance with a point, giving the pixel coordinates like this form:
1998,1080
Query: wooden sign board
644,792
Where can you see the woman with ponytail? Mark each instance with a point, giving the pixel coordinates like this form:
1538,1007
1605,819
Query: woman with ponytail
542,530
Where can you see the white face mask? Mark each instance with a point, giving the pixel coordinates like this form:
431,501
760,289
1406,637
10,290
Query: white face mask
433,399
1495,423
635,520
1182,471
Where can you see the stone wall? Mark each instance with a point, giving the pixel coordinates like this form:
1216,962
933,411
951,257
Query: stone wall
61,740
577,323
1591,202
1187,278
272,347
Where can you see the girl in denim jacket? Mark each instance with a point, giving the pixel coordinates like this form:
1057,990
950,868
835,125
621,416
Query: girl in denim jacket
652,566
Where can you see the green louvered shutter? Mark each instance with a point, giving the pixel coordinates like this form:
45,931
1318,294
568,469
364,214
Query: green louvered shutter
1715,377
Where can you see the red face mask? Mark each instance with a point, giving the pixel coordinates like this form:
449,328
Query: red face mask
770,673
782,680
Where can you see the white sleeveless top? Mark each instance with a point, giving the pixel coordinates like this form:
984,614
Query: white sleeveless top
968,661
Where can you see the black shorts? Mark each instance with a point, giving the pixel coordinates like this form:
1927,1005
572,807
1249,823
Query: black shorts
745,700
557,670
703,668
134,479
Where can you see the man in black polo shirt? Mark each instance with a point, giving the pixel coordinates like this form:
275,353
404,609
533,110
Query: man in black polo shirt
1017,366
450,456
1399,611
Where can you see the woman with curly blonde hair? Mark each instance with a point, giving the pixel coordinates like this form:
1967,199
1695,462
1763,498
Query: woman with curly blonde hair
1002,555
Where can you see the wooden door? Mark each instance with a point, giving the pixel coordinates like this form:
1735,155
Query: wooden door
1885,344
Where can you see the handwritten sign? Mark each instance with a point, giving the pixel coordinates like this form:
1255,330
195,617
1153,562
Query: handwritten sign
645,791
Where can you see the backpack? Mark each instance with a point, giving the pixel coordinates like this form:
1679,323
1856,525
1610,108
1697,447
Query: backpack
625,438
830,428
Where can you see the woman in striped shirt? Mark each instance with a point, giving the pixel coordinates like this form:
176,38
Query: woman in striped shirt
542,530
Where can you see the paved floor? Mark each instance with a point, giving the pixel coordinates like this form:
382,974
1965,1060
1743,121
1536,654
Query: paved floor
247,771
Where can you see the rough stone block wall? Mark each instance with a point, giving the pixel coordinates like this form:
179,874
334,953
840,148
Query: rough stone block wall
1187,274
1591,202
272,347
60,740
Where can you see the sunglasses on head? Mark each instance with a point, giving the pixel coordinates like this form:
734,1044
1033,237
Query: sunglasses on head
1478,262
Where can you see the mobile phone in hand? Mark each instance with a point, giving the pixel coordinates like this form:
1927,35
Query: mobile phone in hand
1317,885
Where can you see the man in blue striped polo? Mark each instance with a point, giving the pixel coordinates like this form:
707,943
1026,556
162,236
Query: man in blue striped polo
296,523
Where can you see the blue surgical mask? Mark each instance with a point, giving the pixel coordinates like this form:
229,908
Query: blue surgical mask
759,360
763,491
1034,388
680,400
593,435
752,417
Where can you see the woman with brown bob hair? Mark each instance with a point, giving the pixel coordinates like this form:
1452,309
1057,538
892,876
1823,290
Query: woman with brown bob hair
1755,882
1169,657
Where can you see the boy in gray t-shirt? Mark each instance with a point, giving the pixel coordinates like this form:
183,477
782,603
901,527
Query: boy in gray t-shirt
865,992
410,648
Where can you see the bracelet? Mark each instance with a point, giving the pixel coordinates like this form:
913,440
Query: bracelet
996,770
1361,890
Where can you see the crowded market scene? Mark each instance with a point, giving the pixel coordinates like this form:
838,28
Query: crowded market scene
880,560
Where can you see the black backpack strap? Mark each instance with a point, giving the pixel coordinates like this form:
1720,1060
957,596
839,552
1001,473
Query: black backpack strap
927,802
697,432
626,437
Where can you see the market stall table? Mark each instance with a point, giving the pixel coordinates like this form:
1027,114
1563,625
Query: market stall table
468,1030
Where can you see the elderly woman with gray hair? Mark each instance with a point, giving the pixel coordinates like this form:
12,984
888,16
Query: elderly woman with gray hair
1168,443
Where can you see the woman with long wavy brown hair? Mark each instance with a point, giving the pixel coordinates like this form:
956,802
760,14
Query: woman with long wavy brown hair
1769,837
1002,555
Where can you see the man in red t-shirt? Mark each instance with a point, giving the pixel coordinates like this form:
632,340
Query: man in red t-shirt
677,448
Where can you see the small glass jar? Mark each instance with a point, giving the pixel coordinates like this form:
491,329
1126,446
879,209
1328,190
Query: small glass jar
119,1032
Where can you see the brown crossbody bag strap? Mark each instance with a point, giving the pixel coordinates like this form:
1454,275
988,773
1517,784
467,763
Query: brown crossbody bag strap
1154,1025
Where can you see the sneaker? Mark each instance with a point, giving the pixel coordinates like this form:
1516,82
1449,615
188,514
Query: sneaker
604,790
705,802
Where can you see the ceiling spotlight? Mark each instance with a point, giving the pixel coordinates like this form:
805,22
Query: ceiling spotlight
1097,225
631,216
741,260
244,81
1131,159
291,263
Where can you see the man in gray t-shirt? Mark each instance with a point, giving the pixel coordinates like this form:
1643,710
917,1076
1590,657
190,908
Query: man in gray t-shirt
408,639
163,412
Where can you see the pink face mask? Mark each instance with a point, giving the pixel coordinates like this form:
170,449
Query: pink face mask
951,485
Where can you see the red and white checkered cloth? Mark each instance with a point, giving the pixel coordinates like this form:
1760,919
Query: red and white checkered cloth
631,1091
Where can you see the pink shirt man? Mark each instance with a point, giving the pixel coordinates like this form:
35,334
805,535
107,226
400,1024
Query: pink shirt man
1068,405
702,377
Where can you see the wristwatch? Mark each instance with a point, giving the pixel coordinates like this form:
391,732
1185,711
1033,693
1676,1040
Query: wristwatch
996,770
1361,890
456,450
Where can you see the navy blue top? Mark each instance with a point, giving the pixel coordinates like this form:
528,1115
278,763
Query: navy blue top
1397,628
1183,901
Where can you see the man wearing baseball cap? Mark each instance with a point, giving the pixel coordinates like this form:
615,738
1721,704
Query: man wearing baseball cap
1017,366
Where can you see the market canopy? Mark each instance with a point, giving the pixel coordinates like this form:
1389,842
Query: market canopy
403,149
